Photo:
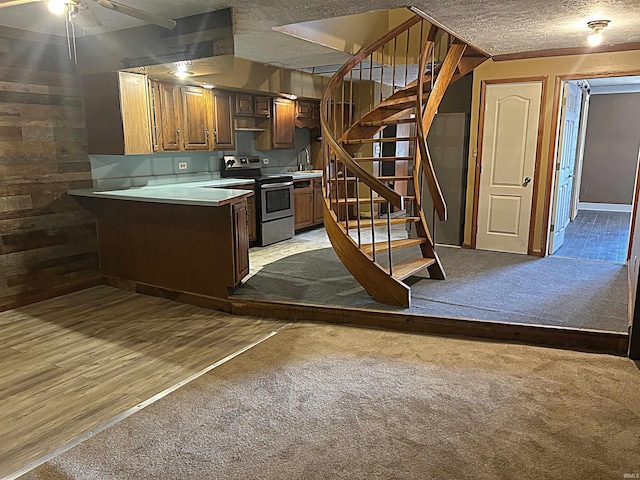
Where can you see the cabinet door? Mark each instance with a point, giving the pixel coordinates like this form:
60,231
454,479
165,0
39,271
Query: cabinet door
195,118
156,115
302,207
241,241
244,104
136,121
283,135
317,201
251,210
304,109
223,133
262,105
170,118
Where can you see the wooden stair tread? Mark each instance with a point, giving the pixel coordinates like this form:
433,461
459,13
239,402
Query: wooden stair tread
367,248
404,270
382,222
397,178
398,101
401,178
355,141
381,159
353,201
384,123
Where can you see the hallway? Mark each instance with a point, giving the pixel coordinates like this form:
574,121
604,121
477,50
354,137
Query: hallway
597,235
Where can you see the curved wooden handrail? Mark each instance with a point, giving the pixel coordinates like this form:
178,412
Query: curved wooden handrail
424,157
344,156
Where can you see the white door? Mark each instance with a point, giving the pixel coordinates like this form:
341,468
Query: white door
509,143
565,163
582,135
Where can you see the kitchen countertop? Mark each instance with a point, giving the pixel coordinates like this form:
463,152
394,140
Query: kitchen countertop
305,175
197,193
210,193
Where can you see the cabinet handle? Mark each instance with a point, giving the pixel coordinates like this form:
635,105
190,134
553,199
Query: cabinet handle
215,135
206,132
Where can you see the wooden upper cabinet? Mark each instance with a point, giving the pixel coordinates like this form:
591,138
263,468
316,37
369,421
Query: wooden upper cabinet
262,105
283,135
170,117
196,118
154,107
117,113
223,132
308,113
252,105
244,104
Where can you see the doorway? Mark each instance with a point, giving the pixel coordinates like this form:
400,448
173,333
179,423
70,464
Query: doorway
596,167
509,153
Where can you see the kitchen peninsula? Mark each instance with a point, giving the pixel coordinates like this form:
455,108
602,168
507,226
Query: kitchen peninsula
191,238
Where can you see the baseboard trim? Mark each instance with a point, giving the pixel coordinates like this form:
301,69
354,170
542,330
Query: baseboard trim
467,245
604,207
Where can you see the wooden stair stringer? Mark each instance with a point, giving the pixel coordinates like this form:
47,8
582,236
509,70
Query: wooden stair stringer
372,276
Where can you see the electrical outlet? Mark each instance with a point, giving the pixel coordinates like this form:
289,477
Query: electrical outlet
182,165
265,161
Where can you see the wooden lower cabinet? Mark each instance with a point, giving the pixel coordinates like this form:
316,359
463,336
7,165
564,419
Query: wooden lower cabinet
302,204
318,211
183,248
251,210
307,203
241,240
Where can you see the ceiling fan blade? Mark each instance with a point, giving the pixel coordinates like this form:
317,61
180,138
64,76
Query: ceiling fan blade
139,14
87,18
13,3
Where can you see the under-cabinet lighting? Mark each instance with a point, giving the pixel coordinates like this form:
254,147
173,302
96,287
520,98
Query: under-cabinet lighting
208,86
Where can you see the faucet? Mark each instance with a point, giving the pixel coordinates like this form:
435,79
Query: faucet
301,167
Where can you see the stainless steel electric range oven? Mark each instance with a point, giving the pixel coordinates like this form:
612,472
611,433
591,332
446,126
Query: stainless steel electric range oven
274,198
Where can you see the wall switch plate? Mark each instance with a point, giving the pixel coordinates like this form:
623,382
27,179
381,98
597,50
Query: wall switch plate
357,155
265,161
182,165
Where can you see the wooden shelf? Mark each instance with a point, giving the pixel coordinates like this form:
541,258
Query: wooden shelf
251,129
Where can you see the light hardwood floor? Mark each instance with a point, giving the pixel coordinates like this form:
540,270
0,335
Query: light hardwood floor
71,364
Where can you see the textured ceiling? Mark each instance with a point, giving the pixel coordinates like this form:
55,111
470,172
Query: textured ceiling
496,26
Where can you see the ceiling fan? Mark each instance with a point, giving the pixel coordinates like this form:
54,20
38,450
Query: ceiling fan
81,10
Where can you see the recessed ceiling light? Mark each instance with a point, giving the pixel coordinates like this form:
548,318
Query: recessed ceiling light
596,26
181,74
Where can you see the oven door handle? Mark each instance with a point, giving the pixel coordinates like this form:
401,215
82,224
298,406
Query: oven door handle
269,186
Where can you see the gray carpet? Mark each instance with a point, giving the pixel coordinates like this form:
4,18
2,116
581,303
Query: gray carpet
480,285
330,402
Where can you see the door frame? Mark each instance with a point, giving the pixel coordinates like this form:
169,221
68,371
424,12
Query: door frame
553,152
480,141
560,129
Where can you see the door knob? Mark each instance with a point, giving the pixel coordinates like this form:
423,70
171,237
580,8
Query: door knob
527,181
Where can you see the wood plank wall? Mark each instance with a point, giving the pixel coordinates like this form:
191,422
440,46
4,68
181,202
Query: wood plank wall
48,242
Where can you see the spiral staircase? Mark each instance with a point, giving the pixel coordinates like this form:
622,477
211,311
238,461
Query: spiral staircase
377,110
